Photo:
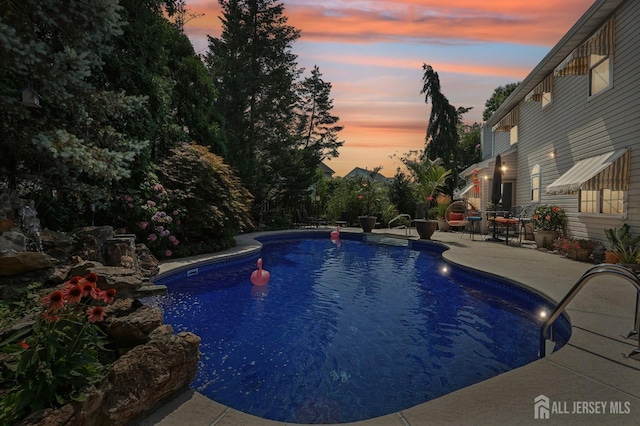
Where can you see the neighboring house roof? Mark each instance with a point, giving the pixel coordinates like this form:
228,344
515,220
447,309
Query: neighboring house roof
583,28
359,172
328,171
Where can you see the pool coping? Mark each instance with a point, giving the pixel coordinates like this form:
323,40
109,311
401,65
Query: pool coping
590,368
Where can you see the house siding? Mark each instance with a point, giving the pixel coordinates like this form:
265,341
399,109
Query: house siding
576,127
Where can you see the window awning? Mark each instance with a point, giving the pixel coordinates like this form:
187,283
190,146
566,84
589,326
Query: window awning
545,86
601,43
508,121
606,171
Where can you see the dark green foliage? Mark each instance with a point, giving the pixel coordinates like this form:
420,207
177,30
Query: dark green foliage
217,205
254,69
277,130
497,98
442,131
402,194
469,151
154,59
77,142
316,128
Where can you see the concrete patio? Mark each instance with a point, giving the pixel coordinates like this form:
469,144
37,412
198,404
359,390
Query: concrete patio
588,382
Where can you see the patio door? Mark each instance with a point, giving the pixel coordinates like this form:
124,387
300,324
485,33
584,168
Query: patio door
507,195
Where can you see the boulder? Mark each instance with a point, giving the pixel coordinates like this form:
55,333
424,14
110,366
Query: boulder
90,240
147,262
133,328
13,240
120,251
7,225
148,374
12,263
136,382
56,244
126,281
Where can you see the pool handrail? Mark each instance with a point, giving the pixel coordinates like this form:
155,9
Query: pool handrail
600,269
408,229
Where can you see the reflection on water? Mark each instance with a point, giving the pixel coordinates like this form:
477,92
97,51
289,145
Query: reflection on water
344,333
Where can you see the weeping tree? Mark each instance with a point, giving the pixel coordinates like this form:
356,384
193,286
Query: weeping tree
442,138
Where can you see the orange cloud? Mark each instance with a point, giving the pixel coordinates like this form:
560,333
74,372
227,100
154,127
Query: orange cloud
539,23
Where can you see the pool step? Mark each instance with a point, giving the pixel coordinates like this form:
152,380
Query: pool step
386,240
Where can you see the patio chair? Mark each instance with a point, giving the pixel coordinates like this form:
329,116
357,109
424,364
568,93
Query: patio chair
512,218
525,220
456,214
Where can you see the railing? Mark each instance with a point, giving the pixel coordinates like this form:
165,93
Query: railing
407,230
602,269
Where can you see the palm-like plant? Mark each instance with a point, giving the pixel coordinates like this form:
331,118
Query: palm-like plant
428,175
370,189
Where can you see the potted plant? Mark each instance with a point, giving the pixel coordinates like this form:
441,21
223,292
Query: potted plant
623,246
547,222
576,249
443,201
428,176
369,193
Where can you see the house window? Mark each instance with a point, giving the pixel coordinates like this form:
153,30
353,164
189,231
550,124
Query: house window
545,99
605,201
513,135
612,201
599,74
535,183
589,201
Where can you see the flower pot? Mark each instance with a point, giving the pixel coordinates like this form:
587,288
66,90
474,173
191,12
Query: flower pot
582,254
425,228
611,257
367,223
443,225
545,239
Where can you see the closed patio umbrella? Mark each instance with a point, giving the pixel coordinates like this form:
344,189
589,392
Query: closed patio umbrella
496,193
496,187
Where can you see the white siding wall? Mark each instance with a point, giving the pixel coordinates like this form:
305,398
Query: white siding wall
577,127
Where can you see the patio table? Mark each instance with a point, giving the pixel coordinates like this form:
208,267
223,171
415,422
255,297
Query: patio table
491,217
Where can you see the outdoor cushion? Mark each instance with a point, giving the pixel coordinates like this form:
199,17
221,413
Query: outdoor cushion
456,216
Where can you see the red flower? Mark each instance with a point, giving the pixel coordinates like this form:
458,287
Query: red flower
555,209
51,318
91,277
74,294
108,295
360,197
54,301
23,345
96,314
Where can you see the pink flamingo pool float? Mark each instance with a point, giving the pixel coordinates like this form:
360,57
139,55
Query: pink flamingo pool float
260,276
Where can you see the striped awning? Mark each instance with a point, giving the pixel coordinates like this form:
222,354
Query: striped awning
601,43
545,86
509,121
606,171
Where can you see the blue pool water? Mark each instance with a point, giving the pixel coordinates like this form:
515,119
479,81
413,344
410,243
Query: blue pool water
349,332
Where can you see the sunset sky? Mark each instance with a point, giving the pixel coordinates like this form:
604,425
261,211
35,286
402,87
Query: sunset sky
372,53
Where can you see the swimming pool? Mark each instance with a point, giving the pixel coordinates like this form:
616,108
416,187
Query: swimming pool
350,332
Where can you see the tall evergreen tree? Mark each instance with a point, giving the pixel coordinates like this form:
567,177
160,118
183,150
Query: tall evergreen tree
76,143
254,70
315,126
154,59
